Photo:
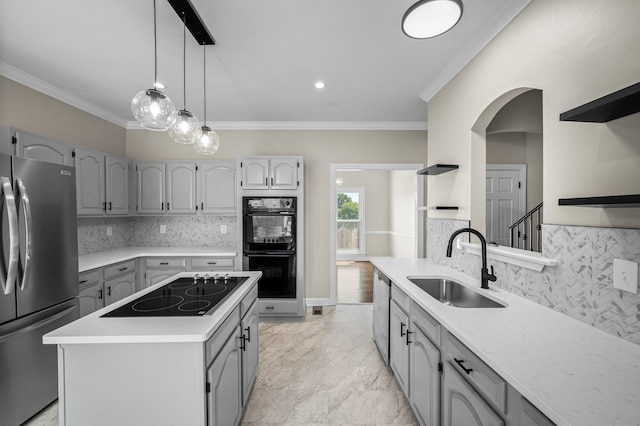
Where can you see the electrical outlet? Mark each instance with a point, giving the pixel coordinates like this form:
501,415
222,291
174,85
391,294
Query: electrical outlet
625,275
223,229
163,229
109,231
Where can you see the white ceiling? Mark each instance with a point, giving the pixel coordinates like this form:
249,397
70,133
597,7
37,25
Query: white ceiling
97,55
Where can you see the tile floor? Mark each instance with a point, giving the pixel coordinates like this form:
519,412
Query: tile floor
326,370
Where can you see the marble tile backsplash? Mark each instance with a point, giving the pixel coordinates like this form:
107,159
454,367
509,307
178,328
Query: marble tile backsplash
144,231
580,286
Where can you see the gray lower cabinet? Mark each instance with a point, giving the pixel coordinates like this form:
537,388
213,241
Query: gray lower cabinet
120,287
381,314
462,405
398,347
424,378
531,416
224,385
102,286
249,328
158,269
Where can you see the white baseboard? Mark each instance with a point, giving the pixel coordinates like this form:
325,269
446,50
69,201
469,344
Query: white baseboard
315,301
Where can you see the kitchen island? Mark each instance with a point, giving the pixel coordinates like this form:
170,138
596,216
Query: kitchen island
571,372
192,370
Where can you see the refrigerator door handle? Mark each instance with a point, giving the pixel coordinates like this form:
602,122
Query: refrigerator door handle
26,206
8,281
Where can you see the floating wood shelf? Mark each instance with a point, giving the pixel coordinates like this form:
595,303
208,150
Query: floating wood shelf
611,201
615,105
437,169
442,208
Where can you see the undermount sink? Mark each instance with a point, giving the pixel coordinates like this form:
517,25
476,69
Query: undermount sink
452,293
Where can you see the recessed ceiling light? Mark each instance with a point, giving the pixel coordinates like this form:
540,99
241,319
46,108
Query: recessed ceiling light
430,18
320,85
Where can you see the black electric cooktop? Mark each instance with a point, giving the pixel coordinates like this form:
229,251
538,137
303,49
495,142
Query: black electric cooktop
184,297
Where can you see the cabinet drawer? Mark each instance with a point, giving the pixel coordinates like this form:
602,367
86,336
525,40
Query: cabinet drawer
212,263
277,307
213,345
482,377
119,269
89,278
248,300
426,323
400,297
170,262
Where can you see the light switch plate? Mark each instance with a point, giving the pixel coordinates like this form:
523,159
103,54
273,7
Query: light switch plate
109,231
163,229
625,275
223,229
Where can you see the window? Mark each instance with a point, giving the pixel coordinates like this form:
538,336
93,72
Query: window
350,223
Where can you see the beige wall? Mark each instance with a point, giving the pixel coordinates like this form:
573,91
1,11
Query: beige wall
35,112
402,213
574,51
320,149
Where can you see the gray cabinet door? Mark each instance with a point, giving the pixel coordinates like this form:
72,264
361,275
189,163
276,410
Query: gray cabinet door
91,299
255,173
424,378
462,405
117,186
249,331
119,288
181,188
39,148
151,187
217,187
531,416
284,173
398,348
224,383
154,276
90,174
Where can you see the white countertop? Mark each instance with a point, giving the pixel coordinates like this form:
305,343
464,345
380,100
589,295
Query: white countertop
574,373
87,262
92,328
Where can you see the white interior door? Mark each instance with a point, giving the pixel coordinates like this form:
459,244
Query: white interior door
505,201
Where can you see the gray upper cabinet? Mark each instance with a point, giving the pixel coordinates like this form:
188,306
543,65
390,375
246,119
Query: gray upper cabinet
181,188
117,186
151,187
90,187
39,148
217,187
102,183
269,172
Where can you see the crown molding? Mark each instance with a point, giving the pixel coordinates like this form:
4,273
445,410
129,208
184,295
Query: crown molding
19,76
512,9
305,125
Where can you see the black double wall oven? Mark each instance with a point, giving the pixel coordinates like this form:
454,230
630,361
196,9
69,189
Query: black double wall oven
269,244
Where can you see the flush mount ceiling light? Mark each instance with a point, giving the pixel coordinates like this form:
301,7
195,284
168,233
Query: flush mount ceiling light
207,141
152,108
184,129
430,18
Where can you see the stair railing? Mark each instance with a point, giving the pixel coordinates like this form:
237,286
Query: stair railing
526,233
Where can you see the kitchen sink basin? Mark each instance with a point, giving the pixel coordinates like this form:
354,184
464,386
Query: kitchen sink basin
452,293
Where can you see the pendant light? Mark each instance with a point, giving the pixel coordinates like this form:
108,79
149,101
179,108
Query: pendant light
430,18
208,140
184,129
151,107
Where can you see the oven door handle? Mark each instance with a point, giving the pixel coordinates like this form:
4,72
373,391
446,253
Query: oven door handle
271,254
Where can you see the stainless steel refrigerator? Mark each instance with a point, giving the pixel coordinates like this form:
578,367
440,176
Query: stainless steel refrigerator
38,277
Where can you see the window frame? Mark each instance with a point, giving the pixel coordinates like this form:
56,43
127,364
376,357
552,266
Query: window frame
342,254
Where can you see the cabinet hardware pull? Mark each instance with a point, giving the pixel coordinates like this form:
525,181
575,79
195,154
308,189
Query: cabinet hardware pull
266,181
402,333
460,362
408,333
110,203
211,263
123,269
248,330
271,181
167,206
243,344
100,294
161,206
83,281
164,263
108,290
270,308
202,206
104,205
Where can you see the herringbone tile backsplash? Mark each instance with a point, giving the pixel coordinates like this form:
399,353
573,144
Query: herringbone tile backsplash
581,286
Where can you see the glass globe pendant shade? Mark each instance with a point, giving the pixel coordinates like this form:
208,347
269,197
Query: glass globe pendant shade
430,18
153,109
185,127
208,141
